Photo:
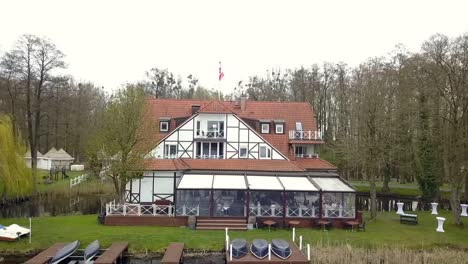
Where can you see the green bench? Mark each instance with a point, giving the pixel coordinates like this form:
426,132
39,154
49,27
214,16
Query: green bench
410,219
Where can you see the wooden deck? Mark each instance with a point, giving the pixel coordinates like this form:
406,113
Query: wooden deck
46,255
297,257
174,254
111,255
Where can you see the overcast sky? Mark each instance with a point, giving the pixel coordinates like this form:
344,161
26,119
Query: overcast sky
114,42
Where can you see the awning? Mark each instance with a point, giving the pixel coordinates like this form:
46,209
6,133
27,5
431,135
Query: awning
196,181
297,184
332,184
234,182
264,183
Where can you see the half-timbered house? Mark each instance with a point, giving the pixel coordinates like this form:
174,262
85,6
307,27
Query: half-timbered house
233,160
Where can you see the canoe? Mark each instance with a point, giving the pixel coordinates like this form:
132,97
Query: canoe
239,248
91,251
281,248
65,252
259,248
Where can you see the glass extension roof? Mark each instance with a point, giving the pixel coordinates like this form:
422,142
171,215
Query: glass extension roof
273,183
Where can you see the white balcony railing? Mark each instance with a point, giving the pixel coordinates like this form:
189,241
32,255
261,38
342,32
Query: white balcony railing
139,209
209,133
309,156
209,156
188,210
305,135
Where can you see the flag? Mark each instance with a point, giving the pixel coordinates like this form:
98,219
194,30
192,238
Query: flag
221,73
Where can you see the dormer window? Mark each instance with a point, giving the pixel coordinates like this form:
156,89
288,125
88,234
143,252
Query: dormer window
279,126
164,124
298,126
265,126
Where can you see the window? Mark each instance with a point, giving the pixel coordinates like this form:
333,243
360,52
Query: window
265,152
300,151
170,152
265,128
243,152
198,128
215,129
210,150
164,126
279,128
298,126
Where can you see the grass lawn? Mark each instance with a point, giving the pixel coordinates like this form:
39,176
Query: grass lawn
386,231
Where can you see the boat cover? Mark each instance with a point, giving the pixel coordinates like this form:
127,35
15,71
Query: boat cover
65,252
91,250
281,248
239,248
259,248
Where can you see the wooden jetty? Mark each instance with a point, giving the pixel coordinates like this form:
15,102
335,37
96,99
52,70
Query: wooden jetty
297,257
174,254
112,254
46,255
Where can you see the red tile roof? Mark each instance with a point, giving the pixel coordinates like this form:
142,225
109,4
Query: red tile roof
290,112
314,164
222,165
217,107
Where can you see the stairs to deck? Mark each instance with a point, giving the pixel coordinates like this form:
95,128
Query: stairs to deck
221,224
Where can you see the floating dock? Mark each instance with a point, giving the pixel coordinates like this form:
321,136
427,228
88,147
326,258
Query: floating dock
46,255
113,253
174,254
297,257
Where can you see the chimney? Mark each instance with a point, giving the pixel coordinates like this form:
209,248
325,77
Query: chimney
243,102
195,109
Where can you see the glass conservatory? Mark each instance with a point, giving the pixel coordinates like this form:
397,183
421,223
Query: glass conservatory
264,196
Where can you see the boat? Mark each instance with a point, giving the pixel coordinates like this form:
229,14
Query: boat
259,248
91,251
65,252
5,235
12,232
281,248
239,248
21,231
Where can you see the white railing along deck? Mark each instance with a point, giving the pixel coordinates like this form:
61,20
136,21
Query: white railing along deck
139,209
305,135
339,212
273,211
211,133
302,211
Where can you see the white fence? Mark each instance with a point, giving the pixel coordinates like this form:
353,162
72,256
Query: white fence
305,135
78,180
339,212
139,209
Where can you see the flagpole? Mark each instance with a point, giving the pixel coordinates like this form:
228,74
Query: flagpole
219,82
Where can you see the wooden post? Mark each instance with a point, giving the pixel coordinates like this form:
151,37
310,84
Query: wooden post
269,251
308,252
30,230
300,242
294,234
175,194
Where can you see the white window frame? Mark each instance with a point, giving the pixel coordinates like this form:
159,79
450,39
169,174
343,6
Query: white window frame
167,151
265,131
161,126
246,152
267,152
279,126
299,126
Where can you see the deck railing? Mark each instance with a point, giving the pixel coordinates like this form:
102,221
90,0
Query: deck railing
185,210
139,209
259,210
302,211
338,212
305,135
78,180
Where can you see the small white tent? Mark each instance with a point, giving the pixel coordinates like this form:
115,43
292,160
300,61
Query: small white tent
53,158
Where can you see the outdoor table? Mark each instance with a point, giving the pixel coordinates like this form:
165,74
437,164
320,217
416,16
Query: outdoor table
323,223
400,208
269,223
293,223
352,224
434,208
440,224
463,207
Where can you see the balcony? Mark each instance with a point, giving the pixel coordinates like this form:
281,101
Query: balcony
305,135
307,156
212,133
